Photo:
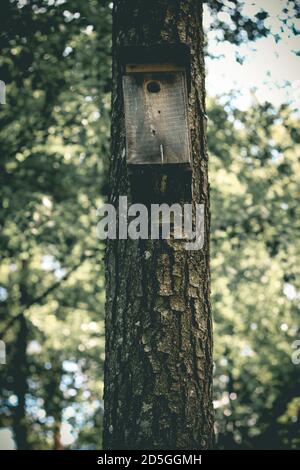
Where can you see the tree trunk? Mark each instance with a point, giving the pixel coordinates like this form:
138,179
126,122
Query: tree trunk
20,386
57,437
158,368
21,367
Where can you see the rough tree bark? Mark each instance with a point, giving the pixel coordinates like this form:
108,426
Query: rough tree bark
158,368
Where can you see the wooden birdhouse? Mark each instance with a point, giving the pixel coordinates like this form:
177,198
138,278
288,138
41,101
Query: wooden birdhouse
155,101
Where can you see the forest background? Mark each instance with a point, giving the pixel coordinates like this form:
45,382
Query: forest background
54,156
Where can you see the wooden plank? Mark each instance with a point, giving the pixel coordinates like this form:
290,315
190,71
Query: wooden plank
131,68
156,118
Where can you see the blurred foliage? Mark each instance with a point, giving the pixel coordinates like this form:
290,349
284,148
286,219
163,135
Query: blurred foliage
255,178
233,25
54,145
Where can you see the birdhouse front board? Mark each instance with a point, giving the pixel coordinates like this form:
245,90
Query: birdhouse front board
156,119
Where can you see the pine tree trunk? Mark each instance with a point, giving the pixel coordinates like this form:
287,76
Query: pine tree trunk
158,369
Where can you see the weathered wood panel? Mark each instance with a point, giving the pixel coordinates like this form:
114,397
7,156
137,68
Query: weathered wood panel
156,118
